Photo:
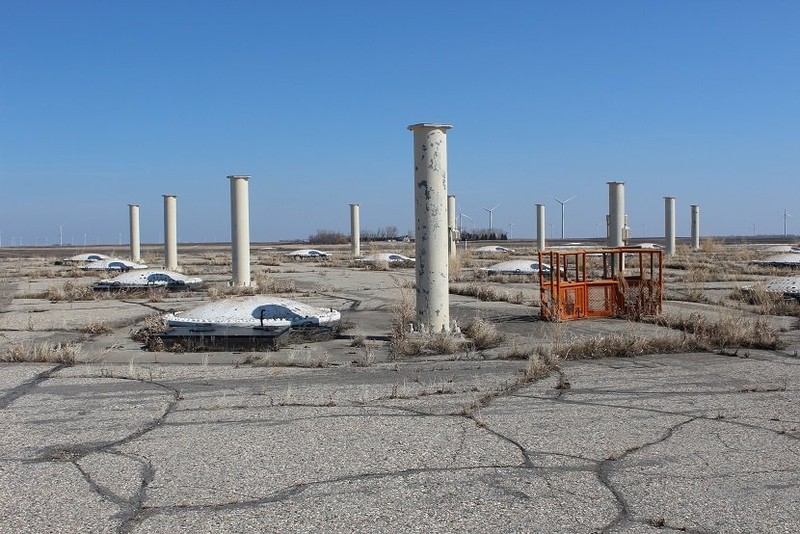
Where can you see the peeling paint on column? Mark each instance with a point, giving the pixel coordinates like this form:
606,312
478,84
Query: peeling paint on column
432,228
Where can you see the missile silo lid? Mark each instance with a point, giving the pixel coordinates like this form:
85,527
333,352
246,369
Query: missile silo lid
254,310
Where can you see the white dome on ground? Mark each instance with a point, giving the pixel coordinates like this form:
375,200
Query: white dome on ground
254,311
493,249
113,264
789,259
144,279
516,267
388,257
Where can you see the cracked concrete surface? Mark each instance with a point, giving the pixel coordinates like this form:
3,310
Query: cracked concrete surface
695,442
686,442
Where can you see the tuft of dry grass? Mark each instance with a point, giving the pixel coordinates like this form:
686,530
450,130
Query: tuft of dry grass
95,328
484,291
148,335
484,335
65,353
69,291
767,303
268,284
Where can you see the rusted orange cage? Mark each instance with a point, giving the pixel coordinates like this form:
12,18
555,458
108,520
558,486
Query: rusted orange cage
623,282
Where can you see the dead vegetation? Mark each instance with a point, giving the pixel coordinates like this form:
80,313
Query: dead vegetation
486,292
63,353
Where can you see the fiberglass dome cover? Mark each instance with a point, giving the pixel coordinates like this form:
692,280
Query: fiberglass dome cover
113,264
255,310
389,257
517,267
785,286
308,253
788,258
85,258
493,249
142,278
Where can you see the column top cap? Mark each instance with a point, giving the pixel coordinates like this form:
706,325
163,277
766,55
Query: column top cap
133,205
245,176
435,125
615,182
170,196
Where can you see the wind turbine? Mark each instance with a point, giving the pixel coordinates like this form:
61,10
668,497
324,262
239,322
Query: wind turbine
490,216
511,230
786,215
562,202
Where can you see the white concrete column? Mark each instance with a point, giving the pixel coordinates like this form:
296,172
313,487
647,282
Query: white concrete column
616,214
240,230
355,231
669,226
136,248
540,227
452,231
695,227
170,232
430,212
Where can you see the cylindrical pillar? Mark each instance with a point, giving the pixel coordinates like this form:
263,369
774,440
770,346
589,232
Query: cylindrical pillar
240,230
136,249
669,226
170,232
355,231
540,227
695,227
616,214
430,212
451,224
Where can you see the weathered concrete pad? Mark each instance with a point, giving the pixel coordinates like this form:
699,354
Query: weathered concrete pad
697,441
430,500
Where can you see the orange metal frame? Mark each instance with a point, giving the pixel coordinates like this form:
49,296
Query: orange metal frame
613,282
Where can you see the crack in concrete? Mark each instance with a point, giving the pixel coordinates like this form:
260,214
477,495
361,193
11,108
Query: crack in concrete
129,510
606,466
22,389
716,419
301,486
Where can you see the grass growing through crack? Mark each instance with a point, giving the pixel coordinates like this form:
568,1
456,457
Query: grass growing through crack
483,334
484,291
42,352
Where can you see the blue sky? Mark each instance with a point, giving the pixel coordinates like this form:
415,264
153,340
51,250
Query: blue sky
104,103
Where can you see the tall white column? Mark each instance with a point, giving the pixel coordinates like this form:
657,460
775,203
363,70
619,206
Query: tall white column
355,231
430,212
170,232
136,249
452,231
669,225
240,230
695,227
616,214
540,227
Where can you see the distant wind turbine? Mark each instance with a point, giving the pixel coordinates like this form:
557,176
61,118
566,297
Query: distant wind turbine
786,215
562,202
490,215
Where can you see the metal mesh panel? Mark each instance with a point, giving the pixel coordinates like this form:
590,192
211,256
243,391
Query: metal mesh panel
600,300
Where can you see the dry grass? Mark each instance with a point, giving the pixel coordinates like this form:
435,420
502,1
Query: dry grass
484,335
153,325
95,328
484,291
69,291
42,352
766,303
730,332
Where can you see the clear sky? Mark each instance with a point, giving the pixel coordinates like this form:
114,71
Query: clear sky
106,103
